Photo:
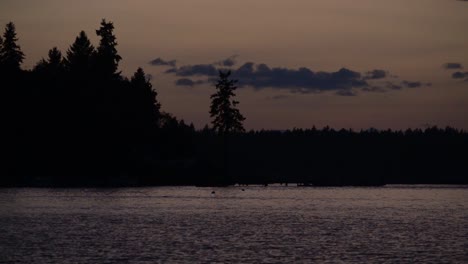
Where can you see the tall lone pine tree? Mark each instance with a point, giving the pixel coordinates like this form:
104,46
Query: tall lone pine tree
227,118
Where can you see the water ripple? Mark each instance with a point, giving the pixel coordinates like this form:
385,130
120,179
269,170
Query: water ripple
258,225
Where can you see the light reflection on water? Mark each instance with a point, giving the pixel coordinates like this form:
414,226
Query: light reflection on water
261,224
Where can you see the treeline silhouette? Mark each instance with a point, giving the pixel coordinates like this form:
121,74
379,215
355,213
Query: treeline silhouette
74,120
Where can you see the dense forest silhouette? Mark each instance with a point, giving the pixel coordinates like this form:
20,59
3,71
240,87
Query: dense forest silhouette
74,120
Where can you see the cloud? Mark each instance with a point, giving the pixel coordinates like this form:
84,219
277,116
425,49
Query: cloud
393,86
185,82
343,82
171,70
460,75
376,74
229,62
346,93
452,65
161,62
301,80
457,74
410,84
195,70
188,82
375,89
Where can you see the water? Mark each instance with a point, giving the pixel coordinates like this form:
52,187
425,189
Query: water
260,224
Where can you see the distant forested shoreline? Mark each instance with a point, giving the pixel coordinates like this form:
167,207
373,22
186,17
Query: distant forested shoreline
75,121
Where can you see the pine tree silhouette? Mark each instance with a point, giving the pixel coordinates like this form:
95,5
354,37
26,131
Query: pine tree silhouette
107,57
53,65
146,102
11,55
227,118
79,56
55,57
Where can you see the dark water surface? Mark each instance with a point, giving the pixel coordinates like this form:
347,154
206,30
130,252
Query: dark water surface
261,224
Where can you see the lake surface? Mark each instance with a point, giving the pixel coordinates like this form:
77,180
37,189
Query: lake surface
272,224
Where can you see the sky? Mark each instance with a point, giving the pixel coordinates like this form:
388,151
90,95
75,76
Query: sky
346,64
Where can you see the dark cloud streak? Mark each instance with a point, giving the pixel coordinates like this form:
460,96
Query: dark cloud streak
452,66
161,62
460,75
410,84
302,80
195,70
229,62
393,86
376,74
344,82
188,82
345,93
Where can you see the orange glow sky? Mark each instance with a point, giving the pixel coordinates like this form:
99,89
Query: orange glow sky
410,39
